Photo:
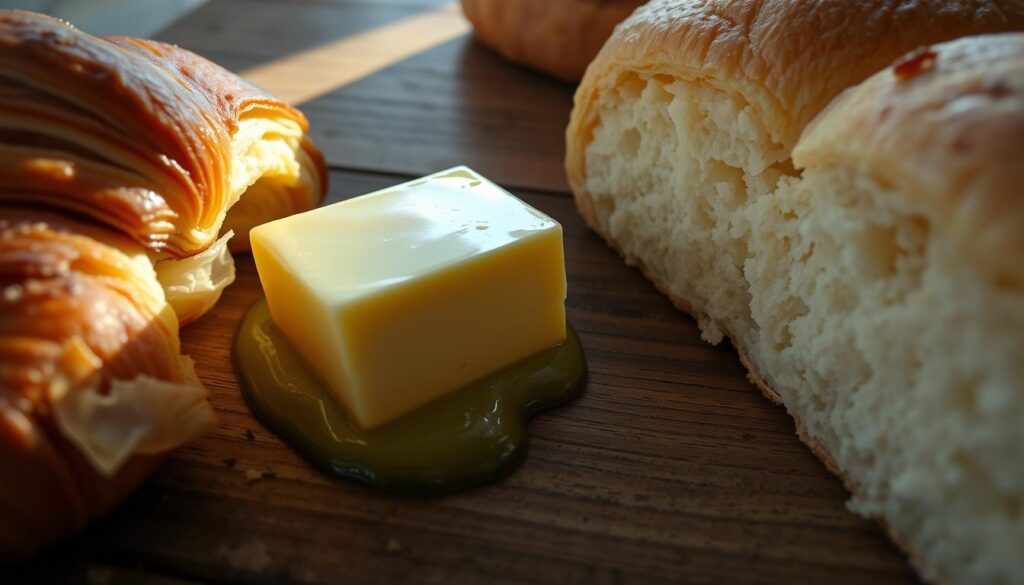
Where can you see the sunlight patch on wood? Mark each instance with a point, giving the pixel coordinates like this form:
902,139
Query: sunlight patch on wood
301,77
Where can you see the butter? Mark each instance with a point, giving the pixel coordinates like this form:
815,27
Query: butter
402,296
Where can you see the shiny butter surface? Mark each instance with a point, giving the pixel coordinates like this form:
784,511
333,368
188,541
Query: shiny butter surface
399,297
396,235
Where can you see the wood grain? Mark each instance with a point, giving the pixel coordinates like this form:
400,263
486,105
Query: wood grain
670,468
455,104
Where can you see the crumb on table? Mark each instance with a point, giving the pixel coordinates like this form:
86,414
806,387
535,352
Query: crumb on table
250,556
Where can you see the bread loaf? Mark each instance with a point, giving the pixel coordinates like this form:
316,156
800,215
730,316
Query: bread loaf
119,162
558,37
867,265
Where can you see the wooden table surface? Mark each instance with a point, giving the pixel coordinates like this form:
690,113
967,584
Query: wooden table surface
671,467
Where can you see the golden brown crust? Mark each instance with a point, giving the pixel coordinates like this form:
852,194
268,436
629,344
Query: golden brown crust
944,125
143,130
558,37
119,159
59,281
56,491
786,58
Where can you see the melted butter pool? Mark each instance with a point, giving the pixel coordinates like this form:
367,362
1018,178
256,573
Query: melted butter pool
468,437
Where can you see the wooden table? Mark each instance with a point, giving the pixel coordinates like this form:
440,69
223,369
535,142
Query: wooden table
670,467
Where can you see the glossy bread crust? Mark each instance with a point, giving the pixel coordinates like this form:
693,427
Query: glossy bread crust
143,129
72,297
119,161
786,58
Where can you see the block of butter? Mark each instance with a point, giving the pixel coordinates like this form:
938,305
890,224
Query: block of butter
399,297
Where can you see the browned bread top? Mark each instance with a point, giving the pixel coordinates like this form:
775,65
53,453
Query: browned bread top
945,124
787,58
558,37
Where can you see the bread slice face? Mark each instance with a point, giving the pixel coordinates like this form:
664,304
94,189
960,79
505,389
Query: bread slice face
885,312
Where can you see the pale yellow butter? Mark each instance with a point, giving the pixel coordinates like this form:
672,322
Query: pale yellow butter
399,297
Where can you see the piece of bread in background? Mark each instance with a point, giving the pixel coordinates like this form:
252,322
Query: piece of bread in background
558,37
869,273
124,166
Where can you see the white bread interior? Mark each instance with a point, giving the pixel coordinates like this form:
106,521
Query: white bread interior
887,316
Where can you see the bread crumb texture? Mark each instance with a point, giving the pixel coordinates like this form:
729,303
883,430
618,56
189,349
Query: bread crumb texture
851,287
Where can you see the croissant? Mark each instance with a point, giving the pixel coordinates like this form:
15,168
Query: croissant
123,165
